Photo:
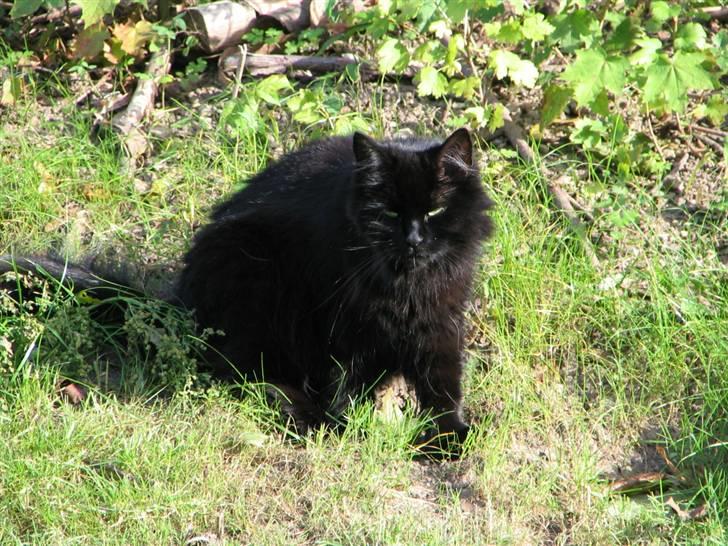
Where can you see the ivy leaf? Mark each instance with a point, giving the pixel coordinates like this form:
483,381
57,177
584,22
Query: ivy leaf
431,82
535,27
593,71
507,63
555,99
92,11
669,80
647,52
23,8
392,56
691,36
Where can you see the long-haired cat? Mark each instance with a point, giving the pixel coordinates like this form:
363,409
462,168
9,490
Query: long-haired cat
344,262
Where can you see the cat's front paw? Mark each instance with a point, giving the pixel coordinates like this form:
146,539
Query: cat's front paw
440,445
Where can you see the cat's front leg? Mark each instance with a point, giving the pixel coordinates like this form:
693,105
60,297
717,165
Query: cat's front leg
437,381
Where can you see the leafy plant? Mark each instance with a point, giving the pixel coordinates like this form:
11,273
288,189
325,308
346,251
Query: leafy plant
459,48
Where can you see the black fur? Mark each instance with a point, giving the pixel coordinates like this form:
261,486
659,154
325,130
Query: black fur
320,290
326,274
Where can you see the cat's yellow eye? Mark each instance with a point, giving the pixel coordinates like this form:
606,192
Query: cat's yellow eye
390,214
435,212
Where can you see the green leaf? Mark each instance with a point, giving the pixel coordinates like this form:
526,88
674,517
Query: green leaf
669,80
92,11
691,36
716,110
431,82
662,11
465,87
647,52
624,36
242,115
346,125
456,43
600,104
589,133
427,12
507,63
509,33
720,49
579,27
555,99
535,27
593,71
475,116
90,42
269,88
392,57
23,8
497,118
524,73
456,9
429,52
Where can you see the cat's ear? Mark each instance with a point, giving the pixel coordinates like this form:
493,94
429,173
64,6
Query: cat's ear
455,156
366,150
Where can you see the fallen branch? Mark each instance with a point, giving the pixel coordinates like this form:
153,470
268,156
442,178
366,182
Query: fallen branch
141,103
639,484
716,12
562,200
54,15
265,65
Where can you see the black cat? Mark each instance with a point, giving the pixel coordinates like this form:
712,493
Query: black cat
343,262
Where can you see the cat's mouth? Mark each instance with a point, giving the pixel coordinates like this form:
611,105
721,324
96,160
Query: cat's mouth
414,258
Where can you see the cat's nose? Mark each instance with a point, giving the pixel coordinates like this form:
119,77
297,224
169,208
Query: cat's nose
414,235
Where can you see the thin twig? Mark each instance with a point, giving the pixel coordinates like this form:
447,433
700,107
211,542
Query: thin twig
653,137
709,130
710,142
672,180
239,72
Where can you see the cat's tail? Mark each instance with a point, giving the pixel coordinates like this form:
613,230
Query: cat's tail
94,282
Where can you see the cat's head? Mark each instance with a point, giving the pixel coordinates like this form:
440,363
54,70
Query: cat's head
417,202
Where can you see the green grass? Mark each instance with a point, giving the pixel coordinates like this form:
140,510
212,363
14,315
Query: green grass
571,369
